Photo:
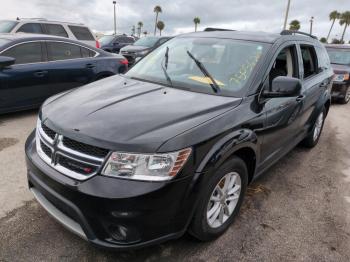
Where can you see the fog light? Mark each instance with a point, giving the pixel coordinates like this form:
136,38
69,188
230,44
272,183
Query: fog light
118,233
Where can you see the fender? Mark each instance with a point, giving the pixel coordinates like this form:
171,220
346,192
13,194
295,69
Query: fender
226,146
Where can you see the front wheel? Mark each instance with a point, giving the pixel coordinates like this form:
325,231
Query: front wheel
220,201
312,139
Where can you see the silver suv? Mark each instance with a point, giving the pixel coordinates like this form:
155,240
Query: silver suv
42,26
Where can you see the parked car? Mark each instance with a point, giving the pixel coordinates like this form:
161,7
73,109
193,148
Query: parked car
113,43
142,47
340,60
35,67
56,28
171,146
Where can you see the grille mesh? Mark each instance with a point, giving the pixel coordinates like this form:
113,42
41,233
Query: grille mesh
49,132
78,167
46,149
84,148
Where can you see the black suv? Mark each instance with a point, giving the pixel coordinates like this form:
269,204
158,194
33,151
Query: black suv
171,146
113,43
340,61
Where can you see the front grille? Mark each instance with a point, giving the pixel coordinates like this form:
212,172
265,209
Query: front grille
76,166
46,149
49,132
84,148
69,157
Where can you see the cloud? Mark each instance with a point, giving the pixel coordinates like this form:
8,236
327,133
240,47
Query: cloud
264,15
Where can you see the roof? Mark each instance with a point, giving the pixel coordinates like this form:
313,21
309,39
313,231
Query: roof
43,20
248,35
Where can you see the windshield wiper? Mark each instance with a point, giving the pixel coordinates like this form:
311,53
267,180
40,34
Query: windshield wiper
166,57
213,83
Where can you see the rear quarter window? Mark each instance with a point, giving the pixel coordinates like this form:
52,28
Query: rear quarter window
81,33
87,52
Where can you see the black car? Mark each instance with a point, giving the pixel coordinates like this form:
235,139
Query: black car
171,146
35,67
340,60
142,47
113,43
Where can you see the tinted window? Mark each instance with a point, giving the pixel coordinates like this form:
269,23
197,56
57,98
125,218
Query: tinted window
130,40
81,33
33,28
105,40
87,52
339,56
25,53
7,26
309,60
53,29
148,41
63,51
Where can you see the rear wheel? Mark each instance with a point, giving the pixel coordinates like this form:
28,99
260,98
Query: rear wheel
346,98
220,201
312,139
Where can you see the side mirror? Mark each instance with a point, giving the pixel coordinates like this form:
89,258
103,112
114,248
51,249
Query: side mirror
6,61
283,86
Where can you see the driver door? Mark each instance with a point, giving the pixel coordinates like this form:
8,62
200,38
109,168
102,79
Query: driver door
283,113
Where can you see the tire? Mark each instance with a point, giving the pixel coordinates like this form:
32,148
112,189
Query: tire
201,227
312,139
346,98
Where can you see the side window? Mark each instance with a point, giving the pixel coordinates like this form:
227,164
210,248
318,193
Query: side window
25,53
34,28
309,60
130,40
323,58
81,33
62,51
87,52
118,40
54,29
286,64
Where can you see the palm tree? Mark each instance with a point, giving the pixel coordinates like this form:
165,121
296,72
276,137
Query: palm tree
140,24
294,25
157,9
145,33
323,40
160,26
133,30
333,16
344,20
196,21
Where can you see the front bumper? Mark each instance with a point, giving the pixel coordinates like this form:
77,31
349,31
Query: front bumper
109,212
339,89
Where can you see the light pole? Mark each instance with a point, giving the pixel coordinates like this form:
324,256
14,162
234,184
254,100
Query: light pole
311,23
115,19
286,17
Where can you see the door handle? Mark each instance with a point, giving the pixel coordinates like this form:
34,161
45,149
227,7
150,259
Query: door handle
40,73
90,65
300,98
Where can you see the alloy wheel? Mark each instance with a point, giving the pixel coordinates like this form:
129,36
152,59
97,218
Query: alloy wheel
224,199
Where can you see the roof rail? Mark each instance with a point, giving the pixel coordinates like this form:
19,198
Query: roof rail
46,20
210,29
32,18
293,32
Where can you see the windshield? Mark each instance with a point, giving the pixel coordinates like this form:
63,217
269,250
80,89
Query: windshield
339,56
7,26
229,62
147,41
105,40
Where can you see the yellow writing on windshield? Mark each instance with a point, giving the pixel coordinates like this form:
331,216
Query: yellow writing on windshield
205,80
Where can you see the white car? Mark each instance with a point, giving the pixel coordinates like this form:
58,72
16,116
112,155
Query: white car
42,26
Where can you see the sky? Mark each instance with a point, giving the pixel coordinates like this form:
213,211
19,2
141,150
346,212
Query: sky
263,15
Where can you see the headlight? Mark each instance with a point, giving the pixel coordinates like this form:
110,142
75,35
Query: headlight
150,167
341,77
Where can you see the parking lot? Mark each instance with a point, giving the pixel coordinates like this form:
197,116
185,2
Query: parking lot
298,211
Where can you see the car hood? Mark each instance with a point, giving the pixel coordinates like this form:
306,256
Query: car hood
134,48
341,69
128,115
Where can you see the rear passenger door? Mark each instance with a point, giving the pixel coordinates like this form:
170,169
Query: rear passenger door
70,66
314,81
25,83
55,29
